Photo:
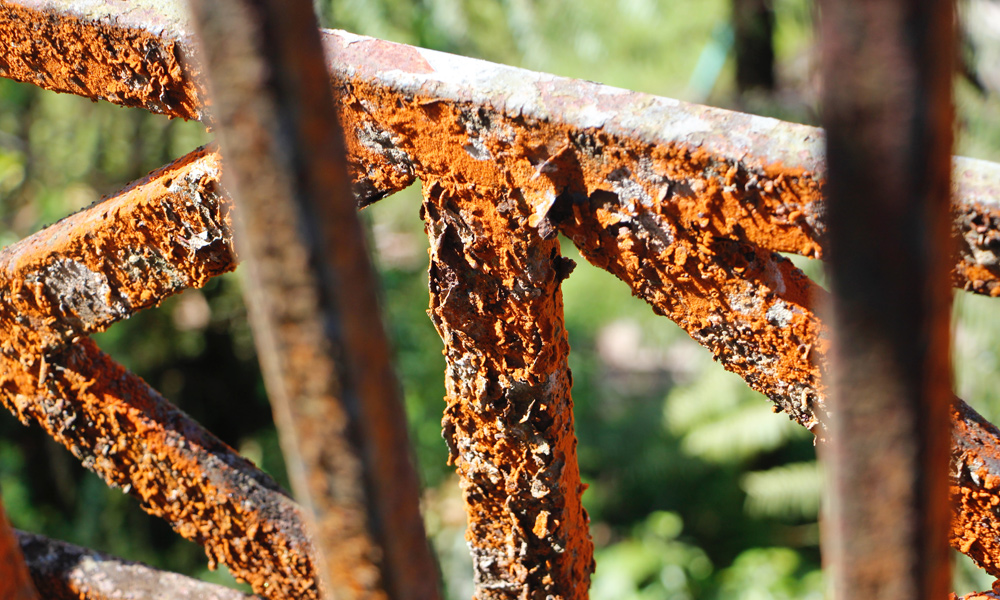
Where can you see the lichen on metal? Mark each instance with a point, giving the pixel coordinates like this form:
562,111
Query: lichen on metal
497,304
63,571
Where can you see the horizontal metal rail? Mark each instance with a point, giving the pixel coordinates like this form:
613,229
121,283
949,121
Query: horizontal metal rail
63,571
741,176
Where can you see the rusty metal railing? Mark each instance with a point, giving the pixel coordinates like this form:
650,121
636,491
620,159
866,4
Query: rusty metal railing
687,205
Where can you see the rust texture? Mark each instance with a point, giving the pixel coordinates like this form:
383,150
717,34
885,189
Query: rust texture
129,435
976,226
123,51
15,581
751,178
888,161
748,305
162,234
665,181
63,571
497,304
975,481
93,268
311,291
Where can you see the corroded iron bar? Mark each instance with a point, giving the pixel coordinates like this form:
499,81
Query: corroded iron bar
750,178
754,311
311,291
497,304
15,581
125,51
888,150
63,571
157,237
124,431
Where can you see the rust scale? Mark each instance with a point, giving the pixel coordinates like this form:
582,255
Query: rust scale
126,52
159,236
750,178
651,189
63,571
497,304
132,438
311,292
93,268
15,581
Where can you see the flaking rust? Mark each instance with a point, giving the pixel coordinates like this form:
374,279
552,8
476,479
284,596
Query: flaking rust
94,268
497,304
749,306
134,439
159,236
66,48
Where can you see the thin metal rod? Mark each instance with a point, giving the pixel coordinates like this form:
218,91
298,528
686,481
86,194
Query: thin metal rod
312,296
887,71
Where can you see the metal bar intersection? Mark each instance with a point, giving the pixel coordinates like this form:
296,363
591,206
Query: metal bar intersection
686,204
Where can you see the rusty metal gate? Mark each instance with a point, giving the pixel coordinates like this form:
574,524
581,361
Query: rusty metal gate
688,205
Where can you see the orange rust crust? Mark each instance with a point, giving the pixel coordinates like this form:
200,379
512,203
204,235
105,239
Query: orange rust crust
976,227
749,306
665,241
497,304
15,582
775,208
160,235
56,573
125,432
975,487
131,67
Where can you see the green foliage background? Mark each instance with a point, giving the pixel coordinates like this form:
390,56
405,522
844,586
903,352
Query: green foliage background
696,489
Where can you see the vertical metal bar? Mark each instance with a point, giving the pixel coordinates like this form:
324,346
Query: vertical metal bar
312,295
887,68
497,304
15,582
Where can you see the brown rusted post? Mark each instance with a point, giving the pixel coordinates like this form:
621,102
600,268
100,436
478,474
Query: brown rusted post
887,110
15,583
312,296
497,304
